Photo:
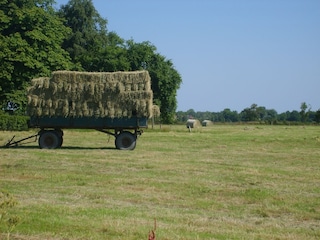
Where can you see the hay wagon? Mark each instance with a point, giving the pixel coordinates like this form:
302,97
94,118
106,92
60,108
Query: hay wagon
118,104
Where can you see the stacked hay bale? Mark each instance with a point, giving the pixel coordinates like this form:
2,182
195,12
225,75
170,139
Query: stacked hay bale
207,123
193,123
156,111
91,94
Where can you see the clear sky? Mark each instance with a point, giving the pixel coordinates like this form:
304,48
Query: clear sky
229,53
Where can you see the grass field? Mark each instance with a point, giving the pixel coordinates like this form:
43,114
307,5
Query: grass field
219,182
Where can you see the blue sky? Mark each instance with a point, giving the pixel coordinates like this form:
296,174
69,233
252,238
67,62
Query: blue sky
229,53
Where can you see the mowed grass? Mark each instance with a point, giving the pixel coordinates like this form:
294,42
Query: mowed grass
219,182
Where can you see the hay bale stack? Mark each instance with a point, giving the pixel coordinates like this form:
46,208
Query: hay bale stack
156,111
91,94
207,123
193,123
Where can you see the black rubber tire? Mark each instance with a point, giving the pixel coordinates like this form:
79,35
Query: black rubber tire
59,133
60,142
49,140
126,141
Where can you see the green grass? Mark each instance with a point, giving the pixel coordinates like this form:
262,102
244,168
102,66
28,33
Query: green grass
220,182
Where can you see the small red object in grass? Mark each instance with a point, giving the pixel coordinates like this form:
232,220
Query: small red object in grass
152,234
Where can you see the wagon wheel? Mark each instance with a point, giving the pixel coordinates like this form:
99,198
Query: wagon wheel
59,132
60,141
126,141
50,140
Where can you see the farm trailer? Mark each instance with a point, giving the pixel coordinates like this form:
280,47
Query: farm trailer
118,104
50,136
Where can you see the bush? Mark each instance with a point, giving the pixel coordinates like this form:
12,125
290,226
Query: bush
13,122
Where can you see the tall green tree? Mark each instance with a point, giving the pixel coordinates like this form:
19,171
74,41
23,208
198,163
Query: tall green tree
90,45
31,35
89,33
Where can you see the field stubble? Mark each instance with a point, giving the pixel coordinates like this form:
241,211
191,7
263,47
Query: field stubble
219,182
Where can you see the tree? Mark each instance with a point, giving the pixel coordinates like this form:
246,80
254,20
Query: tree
303,111
191,113
270,116
250,114
165,82
165,79
317,116
90,45
311,116
113,57
141,55
230,116
294,116
31,35
182,116
261,113
88,39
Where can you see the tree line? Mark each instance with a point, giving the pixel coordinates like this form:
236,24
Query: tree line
254,113
36,39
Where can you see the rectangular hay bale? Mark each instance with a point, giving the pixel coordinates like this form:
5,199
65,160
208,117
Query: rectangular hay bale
91,94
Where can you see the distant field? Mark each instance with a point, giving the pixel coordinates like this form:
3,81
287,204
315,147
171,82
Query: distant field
219,182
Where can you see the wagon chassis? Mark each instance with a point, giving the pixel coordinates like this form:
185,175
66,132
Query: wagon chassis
53,138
